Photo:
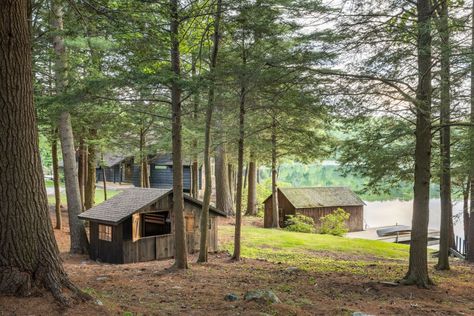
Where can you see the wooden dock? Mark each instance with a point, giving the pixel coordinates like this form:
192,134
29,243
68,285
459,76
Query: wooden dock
403,237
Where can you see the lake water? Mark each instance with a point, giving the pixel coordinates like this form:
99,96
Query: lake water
387,213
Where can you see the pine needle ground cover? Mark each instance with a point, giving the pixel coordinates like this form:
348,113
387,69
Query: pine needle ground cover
310,274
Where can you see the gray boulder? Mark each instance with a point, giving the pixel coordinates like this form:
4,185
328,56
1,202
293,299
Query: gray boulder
262,296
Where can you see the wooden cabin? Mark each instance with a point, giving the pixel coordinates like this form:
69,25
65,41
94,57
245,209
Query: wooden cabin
123,169
117,169
317,202
161,173
138,225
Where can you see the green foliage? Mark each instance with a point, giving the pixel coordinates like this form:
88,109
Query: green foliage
296,174
334,223
299,223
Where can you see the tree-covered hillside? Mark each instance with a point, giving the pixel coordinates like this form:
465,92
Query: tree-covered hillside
300,175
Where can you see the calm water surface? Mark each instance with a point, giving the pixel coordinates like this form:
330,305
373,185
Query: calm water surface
386,213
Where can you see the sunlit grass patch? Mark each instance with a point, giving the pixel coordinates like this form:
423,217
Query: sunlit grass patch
321,253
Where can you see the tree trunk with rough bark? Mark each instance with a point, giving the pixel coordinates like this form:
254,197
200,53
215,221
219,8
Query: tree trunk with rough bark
223,195
195,178
231,178
89,190
104,175
275,215
181,255
195,165
29,256
203,246
470,240
79,242
446,228
80,169
57,190
240,166
465,208
418,264
252,187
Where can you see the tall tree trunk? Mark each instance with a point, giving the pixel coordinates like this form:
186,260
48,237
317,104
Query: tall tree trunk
275,215
181,256
231,178
142,159
240,166
57,190
195,165
252,186
89,191
104,175
207,140
195,178
223,198
246,173
418,265
446,229
28,251
79,243
80,169
470,240
465,207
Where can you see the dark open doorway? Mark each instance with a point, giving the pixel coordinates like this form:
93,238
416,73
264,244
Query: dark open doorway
155,224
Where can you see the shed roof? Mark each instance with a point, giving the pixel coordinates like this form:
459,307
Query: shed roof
110,159
311,197
124,204
166,159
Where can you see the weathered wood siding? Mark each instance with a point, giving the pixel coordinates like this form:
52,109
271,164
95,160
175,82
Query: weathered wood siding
112,174
106,251
161,177
354,223
284,206
162,246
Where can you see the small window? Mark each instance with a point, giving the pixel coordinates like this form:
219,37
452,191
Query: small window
189,224
210,223
105,232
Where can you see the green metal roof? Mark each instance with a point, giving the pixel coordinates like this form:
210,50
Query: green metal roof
311,197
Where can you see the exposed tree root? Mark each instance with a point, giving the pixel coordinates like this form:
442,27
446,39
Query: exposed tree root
22,283
443,267
420,281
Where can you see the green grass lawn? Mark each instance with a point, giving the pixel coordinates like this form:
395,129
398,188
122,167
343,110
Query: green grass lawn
323,253
99,196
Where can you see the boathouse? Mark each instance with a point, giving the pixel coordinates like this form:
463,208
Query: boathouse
317,202
138,225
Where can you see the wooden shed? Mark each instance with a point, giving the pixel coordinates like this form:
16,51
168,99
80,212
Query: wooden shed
317,202
138,225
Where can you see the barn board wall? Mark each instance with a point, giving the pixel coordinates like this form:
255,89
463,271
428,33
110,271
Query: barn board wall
354,223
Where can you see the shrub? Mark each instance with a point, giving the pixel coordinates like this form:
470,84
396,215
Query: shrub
335,223
299,223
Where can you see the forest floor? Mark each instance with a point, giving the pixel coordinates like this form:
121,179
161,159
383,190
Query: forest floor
310,274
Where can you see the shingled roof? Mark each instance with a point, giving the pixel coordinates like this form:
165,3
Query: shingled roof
311,197
124,204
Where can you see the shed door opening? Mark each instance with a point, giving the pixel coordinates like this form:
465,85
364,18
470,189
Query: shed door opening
155,224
